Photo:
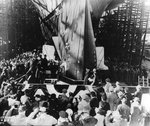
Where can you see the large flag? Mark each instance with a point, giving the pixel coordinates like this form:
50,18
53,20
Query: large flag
75,43
71,37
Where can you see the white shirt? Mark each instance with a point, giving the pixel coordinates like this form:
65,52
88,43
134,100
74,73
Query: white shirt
23,99
19,120
100,119
107,86
60,120
43,120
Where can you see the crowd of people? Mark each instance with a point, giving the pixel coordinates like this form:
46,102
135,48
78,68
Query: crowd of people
93,105
125,72
30,65
106,105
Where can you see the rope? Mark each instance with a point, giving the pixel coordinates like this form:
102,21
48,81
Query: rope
38,3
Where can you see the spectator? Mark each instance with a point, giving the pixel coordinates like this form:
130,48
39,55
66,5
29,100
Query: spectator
37,100
136,113
128,96
118,87
17,120
42,118
94,103
25,97
107,85
91,105
138,92
63,117
100,118
84,106
112,99
70,114
64,100
104,105
124,109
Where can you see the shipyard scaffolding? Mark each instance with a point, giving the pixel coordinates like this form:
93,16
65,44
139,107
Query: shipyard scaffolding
24,30
3,28
122,32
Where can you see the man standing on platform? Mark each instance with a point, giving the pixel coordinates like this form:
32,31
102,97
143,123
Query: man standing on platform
107,85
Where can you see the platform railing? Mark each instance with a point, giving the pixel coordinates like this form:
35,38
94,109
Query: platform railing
143,81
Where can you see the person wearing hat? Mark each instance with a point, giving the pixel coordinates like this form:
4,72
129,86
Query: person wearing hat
103,104
124,109
63,117
112,99
138,92
136,113
128,95
94,102
64,100
114,119
84,106
42,118
17,120
14,107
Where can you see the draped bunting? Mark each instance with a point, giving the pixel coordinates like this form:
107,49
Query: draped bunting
53,89
39,91
71,88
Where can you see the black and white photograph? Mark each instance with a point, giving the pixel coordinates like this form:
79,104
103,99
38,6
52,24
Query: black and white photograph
74,62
